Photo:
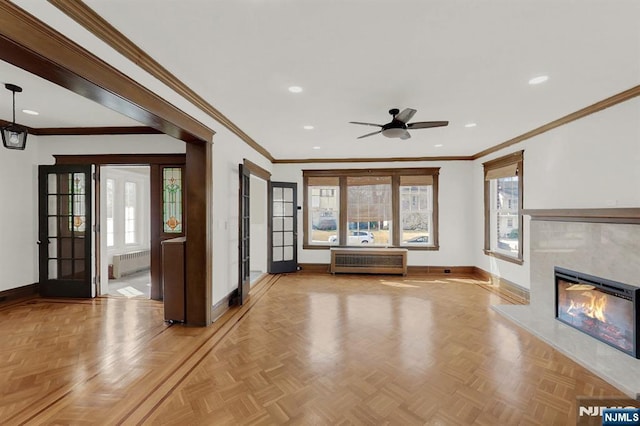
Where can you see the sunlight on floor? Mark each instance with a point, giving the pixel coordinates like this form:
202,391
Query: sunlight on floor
397,284
130,292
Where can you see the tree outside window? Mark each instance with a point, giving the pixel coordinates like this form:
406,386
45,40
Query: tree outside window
385,207
503,207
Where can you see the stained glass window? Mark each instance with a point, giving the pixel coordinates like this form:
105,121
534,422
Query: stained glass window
172,199
77,219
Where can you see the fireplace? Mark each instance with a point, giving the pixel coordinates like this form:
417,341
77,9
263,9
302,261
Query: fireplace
604,309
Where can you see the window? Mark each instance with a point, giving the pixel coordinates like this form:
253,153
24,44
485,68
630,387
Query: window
373,207
172,200
503,207
130,213
369,216
324,210
416,210
76,200
110,201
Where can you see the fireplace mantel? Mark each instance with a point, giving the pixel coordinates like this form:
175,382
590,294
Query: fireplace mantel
599,242
609,215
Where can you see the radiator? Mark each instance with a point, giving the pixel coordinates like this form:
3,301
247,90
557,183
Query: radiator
369,261
128,263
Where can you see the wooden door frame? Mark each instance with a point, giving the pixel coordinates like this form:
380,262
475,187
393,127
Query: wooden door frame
252,169
155,163
30,44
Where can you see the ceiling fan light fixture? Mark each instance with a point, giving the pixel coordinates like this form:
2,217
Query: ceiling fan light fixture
399,126
394,132
14,136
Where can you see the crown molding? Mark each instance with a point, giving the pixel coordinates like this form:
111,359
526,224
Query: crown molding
369,160
98,26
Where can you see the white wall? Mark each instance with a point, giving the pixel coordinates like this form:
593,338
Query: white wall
18,216
588,163
228,152
104,144
455,205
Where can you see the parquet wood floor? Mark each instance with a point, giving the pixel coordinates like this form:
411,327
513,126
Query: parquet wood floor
306,349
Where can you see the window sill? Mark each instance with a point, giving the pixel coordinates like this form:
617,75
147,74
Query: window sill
516,260
317,246
328,247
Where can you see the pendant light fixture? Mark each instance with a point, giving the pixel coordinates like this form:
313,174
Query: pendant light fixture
14,136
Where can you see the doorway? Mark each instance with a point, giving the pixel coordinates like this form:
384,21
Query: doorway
125,243
258,229
253,223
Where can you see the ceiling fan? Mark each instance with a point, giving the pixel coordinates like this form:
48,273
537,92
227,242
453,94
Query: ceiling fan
398,127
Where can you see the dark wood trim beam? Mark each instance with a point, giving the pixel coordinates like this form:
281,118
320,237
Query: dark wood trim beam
256,170
90,20
30,130
606,215
101,159
598,106
93,131
199,251
88,131
35,47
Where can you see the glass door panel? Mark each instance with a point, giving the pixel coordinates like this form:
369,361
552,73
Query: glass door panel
283,235
65,231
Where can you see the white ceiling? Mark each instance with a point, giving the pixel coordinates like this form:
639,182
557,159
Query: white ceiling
457,60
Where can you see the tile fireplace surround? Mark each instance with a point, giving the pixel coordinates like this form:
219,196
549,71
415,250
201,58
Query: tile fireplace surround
584,241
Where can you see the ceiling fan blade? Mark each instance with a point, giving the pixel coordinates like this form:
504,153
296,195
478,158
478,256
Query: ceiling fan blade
369,134
406,135
406,115
366,124
427,124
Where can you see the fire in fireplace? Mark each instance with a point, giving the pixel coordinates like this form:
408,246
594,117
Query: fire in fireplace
604,309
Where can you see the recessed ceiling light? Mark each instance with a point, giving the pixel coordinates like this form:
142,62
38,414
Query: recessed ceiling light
308,127
316,147
539,79
30,112
439,145
295,89
470,125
